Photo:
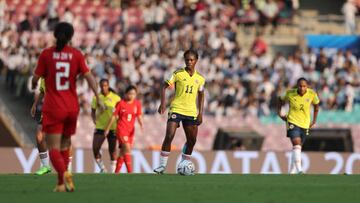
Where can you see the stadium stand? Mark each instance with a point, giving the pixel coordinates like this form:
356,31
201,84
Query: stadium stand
141,42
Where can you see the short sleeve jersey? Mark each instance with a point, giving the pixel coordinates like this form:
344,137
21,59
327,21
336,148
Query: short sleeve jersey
103,117
127,113
59,70
299,111
186,91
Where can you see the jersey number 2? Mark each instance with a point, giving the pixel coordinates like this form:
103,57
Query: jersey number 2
62,76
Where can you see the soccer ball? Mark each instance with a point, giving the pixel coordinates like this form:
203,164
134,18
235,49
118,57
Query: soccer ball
186,168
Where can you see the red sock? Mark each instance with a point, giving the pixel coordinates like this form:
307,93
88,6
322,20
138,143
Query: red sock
66,154
58,163
128,162
119,163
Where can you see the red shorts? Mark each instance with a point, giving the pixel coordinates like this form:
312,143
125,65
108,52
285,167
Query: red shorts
125,137
59,122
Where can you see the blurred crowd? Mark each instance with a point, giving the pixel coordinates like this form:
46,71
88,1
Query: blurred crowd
142,42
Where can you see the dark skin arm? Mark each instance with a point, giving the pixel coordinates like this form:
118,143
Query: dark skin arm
316,110
200,103
162,107
93,115
279,105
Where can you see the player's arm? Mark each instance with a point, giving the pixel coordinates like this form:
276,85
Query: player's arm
316,110
93,115
34,81
140,121
37,98
162,107
200,104
280,104
93,85
111,121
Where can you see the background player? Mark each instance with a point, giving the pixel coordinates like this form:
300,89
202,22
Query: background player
127,110
59,66
101,115
298,118
187,107
40,141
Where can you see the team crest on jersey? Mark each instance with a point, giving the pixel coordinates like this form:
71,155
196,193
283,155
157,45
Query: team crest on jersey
197,81
307,100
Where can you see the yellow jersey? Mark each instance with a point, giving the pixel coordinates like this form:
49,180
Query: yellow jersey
102,118
299,106
186,91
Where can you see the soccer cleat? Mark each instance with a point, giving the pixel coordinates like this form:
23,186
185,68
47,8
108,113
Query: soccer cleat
43,170
69,183
160,170
60,188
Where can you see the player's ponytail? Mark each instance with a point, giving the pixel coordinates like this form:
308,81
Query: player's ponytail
63,33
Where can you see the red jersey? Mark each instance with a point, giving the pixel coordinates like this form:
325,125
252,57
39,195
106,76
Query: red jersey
60,69
127,112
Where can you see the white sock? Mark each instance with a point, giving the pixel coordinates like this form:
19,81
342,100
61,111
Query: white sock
292,169
100,163
185,157
70,164
44,159
113,166
297,157
164,155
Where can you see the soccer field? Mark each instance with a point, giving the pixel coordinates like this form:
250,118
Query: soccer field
175,188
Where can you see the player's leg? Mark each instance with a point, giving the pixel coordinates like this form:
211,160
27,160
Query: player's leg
98,140
191,134
43,153
68,130
69,167
294,133
53,142
120,158
65,152
126,147
111,138
166,146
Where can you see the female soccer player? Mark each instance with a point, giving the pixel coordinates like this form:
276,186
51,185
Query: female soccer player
298,118
187,107
59,66
126,111
40,141
101,116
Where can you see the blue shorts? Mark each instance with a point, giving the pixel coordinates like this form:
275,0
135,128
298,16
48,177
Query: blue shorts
186,120
294,131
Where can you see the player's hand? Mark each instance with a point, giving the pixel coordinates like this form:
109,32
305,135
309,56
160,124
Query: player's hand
162,109
312,124
199,119
283,117
33,110
106,133
101,106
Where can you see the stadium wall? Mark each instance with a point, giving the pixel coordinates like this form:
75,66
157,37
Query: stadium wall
20,160
154,131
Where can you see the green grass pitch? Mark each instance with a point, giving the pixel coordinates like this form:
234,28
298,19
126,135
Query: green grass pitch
174,188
